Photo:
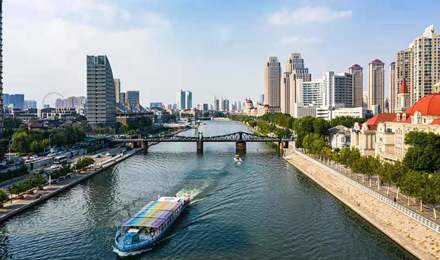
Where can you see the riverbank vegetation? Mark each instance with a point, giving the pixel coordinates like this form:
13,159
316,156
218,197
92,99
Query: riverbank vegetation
25,141
417,176
4,176
27,184
83,163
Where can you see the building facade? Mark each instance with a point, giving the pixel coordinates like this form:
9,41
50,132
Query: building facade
133,100
101,101
272,80
376,88
299,74
1,68
358,84
311,93
188,99
384,134
117,90
419,65
13,100
393,91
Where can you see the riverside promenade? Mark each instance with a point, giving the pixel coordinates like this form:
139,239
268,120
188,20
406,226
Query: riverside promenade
38,196
408,229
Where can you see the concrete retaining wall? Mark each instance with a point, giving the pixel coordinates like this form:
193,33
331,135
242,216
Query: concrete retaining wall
417,238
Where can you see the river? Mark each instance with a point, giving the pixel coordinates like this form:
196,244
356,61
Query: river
261,209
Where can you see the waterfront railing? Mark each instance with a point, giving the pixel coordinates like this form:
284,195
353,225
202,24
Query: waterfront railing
408,212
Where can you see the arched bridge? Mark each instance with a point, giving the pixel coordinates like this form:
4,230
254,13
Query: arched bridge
239,138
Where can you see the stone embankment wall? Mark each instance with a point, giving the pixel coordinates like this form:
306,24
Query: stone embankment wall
412,235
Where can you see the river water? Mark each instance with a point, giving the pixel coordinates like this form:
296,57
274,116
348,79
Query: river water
261,209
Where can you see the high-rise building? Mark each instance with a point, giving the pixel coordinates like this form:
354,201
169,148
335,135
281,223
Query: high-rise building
133,100
337,90
358,84
299,73
101,101
225,107
184,99
181,100
426,63
117,90
376,86
188,99
285,93
13,100
123,98
311,93
393,91
30,104
419,66
403,71
272,79
216,104
1,68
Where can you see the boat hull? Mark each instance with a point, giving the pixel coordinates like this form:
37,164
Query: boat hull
145,246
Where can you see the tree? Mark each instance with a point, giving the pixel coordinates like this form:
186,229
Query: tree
83,163
423,153
3,197
346,121
21,141
412,184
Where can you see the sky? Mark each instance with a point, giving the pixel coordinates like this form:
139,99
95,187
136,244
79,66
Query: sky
211,47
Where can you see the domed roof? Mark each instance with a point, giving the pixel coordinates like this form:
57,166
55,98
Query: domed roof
427,106
403,87
377,62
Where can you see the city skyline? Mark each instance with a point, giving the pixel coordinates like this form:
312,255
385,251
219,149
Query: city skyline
279,28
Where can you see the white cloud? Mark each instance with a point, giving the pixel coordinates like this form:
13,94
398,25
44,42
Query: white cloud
307,14
296,40
46,43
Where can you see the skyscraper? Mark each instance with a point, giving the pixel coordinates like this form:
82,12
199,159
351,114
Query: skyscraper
272,78
299,73
117,90
181,100
101,101
13,100
337,90
133,100
188,99
1,68
216,104
425,62
419,65
285,93
123,98
393,91
358,84
376,86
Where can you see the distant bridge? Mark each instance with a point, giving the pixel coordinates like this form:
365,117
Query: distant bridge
239,138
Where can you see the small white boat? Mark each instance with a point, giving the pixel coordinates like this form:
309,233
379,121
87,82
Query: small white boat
237,159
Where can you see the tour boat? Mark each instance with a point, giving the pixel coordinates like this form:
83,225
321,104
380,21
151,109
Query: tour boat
146,227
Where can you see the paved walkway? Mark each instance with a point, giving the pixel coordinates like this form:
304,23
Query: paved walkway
418,239
37,196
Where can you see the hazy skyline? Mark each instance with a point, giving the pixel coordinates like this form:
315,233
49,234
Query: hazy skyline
212,48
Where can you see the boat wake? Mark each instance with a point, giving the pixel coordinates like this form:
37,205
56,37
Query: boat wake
191,192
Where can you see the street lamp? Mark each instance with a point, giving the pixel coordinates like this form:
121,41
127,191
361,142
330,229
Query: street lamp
9,148
49,140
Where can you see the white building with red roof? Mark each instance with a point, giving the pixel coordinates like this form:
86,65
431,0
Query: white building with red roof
384,134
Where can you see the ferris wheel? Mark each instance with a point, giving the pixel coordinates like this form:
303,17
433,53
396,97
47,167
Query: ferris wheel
50,94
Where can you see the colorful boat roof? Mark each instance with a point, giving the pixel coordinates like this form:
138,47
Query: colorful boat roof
153,214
